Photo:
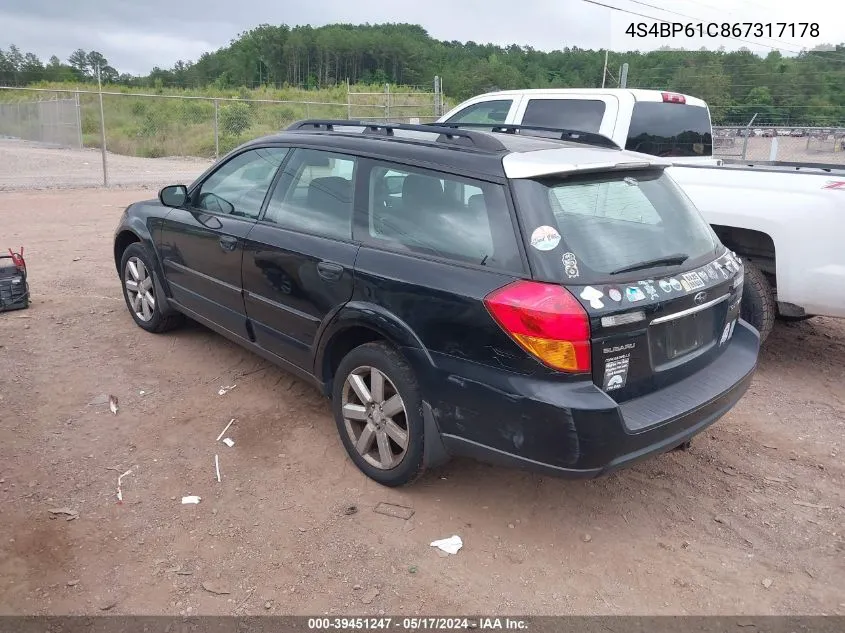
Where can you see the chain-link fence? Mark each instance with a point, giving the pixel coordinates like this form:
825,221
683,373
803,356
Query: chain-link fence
157,139
790,144
52,121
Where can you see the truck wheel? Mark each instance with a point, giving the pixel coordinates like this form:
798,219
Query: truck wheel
758,301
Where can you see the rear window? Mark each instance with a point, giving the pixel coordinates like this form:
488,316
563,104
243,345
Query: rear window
670,129
568,114
591,228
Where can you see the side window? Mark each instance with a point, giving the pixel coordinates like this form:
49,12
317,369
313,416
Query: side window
238,187
314,194
569,114
484,112
429,213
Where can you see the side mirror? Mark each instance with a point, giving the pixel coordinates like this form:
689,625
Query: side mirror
173,196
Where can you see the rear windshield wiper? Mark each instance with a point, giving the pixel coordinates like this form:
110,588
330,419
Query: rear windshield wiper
669,260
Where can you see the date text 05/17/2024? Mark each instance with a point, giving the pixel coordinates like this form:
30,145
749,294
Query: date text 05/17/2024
723,29
416,624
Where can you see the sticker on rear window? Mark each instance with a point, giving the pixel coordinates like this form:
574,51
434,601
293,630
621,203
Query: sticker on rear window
693,280
616,372
634,294
614,294
593,296
676,285
545,238
665,286
570,265
650,289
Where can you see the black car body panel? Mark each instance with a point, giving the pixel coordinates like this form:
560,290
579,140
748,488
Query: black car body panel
666,360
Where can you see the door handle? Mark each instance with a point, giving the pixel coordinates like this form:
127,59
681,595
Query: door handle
329,271
228,243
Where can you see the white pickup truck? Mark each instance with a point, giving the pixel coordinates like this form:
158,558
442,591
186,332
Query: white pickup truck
785,220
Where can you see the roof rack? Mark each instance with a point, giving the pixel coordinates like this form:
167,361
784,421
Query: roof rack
576,136
446,134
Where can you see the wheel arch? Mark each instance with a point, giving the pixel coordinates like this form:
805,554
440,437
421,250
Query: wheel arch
755,246
358,323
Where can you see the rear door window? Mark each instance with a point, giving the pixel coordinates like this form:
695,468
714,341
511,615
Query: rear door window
670,129
569,114
444,216
608,223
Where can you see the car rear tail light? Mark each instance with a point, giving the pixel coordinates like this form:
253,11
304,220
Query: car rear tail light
673,97
546,321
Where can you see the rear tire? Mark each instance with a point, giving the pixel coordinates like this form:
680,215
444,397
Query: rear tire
370,426
758,301
138,280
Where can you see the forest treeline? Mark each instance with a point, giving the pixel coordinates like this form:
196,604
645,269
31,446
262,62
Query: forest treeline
808,88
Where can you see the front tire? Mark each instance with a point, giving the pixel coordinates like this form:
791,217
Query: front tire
140,291
758,301
378,411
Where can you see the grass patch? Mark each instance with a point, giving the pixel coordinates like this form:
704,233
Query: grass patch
161,125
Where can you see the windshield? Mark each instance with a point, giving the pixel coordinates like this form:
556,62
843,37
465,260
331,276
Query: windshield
670,129
610,227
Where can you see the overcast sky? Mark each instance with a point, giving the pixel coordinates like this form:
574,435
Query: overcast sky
136,35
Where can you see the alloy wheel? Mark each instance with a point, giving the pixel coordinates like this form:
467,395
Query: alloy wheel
375,417
139,289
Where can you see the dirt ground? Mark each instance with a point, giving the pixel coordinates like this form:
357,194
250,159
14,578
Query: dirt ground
749,521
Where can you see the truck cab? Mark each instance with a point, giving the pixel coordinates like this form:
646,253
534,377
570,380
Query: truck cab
665,124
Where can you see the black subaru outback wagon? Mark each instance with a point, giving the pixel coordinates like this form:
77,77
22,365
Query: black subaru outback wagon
555,304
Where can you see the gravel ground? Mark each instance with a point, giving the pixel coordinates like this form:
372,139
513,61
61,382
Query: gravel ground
749,521
790,149
32,166
29,166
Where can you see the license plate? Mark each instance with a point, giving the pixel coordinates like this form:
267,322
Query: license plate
688,334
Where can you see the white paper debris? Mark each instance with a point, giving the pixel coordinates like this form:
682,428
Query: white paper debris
119,493
449,545
228,441
224,390
223,432
190,499
217,467
113,404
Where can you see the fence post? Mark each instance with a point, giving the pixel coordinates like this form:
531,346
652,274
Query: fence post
102,130
773,150
387,102
747,132
216,129
78,109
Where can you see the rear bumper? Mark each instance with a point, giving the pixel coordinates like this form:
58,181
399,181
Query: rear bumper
573,429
